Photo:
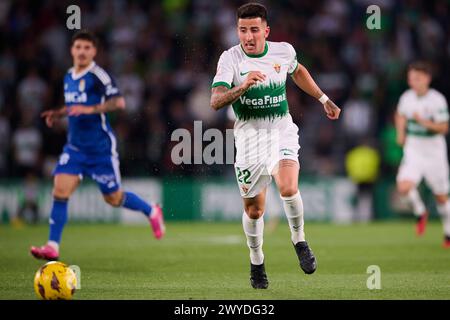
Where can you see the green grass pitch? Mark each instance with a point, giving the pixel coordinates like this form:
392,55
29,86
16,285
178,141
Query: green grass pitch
210,261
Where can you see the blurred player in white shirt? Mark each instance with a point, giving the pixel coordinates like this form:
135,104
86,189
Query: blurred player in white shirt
422,123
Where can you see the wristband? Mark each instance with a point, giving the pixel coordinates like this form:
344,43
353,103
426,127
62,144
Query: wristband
323,99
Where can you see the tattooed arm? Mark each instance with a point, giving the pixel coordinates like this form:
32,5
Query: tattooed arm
221,96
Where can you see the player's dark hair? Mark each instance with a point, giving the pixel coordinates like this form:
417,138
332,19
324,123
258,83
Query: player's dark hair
252,10
422,66
85,35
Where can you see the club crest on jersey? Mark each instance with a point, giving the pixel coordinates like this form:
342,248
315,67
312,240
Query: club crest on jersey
82,85
277,67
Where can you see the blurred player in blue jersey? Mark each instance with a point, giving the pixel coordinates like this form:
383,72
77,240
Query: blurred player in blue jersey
89,93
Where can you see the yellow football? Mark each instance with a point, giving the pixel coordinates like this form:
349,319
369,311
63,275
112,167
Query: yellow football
55,281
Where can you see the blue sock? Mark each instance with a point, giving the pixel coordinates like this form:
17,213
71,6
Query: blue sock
58,218
133,202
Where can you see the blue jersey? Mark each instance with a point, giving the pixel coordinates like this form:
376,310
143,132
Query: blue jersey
90,134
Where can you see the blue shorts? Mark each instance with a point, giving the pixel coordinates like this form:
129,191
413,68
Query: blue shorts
102,169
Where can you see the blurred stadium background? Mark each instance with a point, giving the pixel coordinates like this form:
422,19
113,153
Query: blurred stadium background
164,54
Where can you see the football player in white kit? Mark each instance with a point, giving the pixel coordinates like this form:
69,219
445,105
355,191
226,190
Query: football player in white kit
251,76
422,123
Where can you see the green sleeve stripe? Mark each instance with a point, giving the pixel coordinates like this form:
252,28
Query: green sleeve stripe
294,69
221,83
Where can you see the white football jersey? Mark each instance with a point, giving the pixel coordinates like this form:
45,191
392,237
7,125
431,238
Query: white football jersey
431,106
265,100
264,132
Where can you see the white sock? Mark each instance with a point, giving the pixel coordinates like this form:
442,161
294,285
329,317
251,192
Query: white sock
254,230
54,245
293,207
444,211
417,203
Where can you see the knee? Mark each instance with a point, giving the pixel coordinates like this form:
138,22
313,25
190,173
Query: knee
114,199
403,188
254,212
288,191
441,199
61,192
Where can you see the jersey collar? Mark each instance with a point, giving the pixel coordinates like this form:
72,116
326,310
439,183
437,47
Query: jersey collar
81,74
266,48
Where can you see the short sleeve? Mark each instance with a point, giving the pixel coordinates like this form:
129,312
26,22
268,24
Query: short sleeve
293,63
107,84
224,74
111,90
401,107
441,113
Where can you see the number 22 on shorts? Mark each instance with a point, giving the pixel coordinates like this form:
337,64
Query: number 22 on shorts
243,175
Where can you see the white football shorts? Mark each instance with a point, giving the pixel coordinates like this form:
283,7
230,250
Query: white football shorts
260,145
427,159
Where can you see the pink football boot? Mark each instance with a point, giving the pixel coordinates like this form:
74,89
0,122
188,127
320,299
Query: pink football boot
446,243
421,224
157,221
45,252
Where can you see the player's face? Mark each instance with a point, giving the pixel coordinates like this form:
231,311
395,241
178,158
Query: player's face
419,81
83,52
252,34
